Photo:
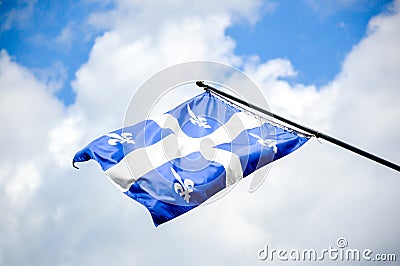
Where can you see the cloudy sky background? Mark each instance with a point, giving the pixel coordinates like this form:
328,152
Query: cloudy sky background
68,70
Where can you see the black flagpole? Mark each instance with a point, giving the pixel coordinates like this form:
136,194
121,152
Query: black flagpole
311,131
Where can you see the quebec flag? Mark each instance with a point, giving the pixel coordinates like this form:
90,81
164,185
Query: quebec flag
174,162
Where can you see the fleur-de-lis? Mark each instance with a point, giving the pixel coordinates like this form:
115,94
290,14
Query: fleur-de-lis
115,138
197,120
266,142
183,188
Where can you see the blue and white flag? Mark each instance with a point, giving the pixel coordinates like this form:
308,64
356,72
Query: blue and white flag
174,162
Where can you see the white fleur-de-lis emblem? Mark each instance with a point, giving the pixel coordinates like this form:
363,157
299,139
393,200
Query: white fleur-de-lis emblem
197,120
115,138
183,188
266,142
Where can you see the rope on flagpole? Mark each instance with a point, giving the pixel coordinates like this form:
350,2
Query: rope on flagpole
311,131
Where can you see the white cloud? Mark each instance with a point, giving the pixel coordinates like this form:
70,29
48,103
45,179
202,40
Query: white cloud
138,18
54,77
311,198
63,140
123,64
23,182
65,37
302,103
26,110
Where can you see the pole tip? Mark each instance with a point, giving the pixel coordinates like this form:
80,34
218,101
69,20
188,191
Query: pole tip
201,84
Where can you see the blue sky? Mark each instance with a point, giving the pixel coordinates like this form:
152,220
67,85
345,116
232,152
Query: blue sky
54,38
32,33
314,35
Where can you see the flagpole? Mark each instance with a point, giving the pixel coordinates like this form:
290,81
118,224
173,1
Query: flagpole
311,131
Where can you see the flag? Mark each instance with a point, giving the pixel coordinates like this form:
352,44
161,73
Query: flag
174,162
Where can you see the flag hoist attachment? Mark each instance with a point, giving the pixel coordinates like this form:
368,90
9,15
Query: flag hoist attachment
308,130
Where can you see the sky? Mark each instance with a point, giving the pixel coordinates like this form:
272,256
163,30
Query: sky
69,68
